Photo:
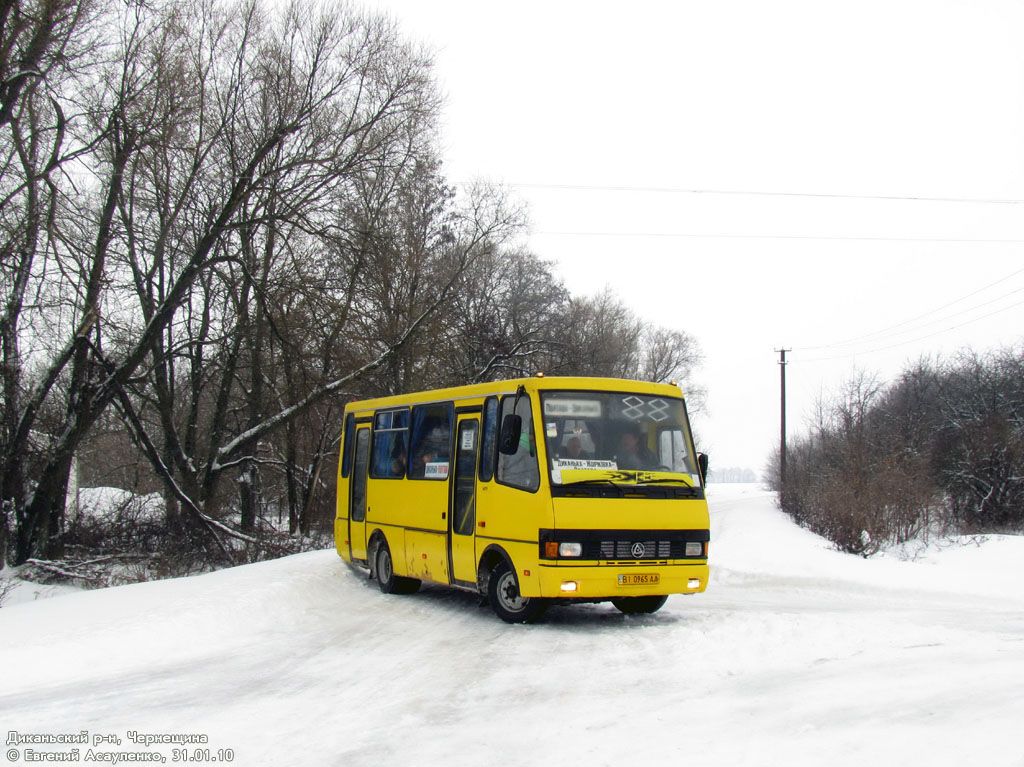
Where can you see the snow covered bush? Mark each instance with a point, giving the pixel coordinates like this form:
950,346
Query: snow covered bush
110,520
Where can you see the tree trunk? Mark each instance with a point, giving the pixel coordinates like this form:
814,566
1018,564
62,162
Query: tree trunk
42,521
248,495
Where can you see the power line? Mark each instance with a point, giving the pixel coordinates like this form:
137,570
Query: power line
886,331
691,235
748,193
915,340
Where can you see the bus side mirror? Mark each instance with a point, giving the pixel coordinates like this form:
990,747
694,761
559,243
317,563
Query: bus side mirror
702,464
511,430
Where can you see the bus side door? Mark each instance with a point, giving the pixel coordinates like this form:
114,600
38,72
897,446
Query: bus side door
462,507
357,495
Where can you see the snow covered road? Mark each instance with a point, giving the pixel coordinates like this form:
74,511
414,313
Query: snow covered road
796,654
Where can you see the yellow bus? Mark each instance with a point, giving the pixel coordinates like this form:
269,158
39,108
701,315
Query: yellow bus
527,491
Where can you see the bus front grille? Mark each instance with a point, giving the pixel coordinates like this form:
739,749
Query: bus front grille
625,546
620,549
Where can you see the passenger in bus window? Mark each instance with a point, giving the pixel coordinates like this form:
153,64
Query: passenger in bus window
427,456
432,447
574,449
399,459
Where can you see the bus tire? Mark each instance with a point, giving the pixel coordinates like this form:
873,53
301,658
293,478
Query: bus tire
503,595
387,580
640,605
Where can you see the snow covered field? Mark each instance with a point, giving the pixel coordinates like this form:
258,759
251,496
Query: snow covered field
795,655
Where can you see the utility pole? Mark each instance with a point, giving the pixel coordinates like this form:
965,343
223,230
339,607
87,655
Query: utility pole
782,428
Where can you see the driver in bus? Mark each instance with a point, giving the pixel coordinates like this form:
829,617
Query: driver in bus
633,453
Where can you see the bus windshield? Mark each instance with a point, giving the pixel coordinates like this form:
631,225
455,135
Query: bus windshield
591,435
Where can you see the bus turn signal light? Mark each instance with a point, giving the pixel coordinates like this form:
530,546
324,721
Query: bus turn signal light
554,549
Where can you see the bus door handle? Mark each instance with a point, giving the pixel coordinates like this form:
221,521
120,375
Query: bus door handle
444,515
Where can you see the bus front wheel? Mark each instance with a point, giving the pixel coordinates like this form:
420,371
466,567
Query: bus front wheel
639,605
387,580
503,594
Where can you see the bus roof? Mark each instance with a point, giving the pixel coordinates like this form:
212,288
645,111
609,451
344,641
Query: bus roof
536,383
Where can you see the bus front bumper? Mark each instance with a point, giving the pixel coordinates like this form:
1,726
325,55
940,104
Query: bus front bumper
611,581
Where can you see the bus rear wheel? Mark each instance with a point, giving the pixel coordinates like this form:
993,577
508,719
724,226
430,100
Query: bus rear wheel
387,580
503,594
640,605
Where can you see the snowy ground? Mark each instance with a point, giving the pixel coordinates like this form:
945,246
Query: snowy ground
796,654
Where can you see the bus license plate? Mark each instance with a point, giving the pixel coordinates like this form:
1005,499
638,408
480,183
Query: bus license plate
639,579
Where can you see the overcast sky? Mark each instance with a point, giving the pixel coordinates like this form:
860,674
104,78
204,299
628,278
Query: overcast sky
844,179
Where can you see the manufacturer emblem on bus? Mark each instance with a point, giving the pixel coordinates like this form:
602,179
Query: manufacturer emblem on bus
638,550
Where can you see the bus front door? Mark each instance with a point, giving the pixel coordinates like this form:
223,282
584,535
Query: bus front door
462,507
357,497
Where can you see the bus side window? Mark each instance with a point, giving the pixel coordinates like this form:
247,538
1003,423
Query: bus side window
489,441
672,450
390,442
430,446
349,444
520,469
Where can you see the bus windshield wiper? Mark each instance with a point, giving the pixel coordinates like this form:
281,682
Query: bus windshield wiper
592,481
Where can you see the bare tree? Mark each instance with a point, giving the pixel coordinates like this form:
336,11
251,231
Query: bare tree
505,318
979,448
354,100
602,338
41,45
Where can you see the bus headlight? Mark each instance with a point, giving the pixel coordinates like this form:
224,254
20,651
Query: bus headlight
570,549
694,549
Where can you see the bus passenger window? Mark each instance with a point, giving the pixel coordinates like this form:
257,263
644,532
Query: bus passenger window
430,446
390,438
520,469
